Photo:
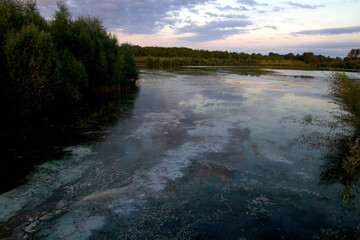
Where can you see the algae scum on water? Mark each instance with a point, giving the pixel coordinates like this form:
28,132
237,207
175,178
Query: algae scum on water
202,153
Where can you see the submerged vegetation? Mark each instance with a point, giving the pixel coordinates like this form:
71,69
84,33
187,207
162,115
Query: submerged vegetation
56,63
162,57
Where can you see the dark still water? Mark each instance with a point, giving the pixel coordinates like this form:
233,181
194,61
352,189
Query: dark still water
201,153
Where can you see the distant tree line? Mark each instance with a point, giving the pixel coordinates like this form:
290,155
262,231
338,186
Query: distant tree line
57,62
188,61
181,56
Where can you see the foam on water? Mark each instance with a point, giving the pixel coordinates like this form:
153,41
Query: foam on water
156,120
76,225
79,151
275,158
49,176
152,182
200,104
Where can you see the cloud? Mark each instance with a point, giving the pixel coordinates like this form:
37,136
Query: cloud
329,31
215,30
248,2
226,24
305,6
277,9
230,8
271,27
274,9
268,26
251,3
229,16
131,16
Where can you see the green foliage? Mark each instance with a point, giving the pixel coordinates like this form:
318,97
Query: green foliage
106,63
90,35
354,53
74,80
180,56
130,69
159,63
32,66
345,162
201,57
60,27
57,62
310,58
352,161
13,15
345,91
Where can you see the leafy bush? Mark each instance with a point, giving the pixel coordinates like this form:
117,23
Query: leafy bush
129,68
74,78
32,66
59,61
345,91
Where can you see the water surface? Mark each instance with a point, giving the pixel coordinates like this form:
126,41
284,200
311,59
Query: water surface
206,153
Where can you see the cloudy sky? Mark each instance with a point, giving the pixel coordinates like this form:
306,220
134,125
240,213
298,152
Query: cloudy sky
329,27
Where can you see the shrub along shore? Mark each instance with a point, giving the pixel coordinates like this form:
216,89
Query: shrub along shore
57,63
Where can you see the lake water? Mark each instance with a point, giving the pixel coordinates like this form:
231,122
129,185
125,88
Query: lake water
201,153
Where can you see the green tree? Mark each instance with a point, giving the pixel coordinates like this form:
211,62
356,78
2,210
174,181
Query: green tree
13,15
61,26
90,35
310,58
73,81
33,66
313,60
354,53
129,68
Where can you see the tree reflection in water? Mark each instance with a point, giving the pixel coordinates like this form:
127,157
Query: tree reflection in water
341,167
